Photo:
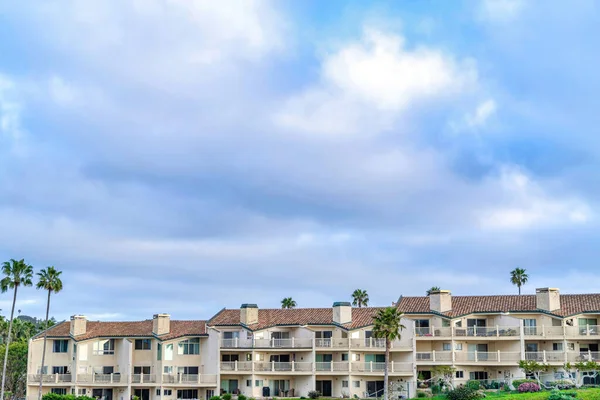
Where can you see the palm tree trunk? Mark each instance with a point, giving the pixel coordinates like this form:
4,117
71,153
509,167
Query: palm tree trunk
12,313
519,290
385,369
44,349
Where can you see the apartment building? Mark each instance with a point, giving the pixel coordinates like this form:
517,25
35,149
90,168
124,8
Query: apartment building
286,353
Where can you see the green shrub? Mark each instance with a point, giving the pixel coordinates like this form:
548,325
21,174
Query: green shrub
241,397
215,398
463,393
517,382
557,395
54,396
475,385
436,389
421,395
227,396
313,394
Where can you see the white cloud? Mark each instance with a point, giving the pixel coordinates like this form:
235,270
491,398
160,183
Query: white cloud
10,110
483,112
501,10
522,204
367,84
61,92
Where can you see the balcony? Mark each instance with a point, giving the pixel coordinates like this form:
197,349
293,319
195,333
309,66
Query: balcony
582,331
434,331
435,356
102,379
329,343
50,378
479,331
292,343
379,367
487,356
543,331
234,366
236,343
188,379
573,356
332,366
272,366
143,378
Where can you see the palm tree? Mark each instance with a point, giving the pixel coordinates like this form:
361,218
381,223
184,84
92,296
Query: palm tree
433,289
16,273
288,303
518,277
387,325
360,298
50,281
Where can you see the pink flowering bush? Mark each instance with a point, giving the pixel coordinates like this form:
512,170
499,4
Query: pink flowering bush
529,387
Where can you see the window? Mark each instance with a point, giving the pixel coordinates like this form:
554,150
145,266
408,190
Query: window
530,325
556,322
141,370
158,392
587,321
447,347
59,390
571,346
460,374
458,346
445,323
258,383
159,352
168,369
557,346
422,327
167,392
344,356
169,352
355,357
248,382
187,394
260,357
478,375
60,370
102,347
143,344
60,346
356,384
190,346
45,370
249,357
74,348
344,384
81,392
108,370
187,370
458,324
230,357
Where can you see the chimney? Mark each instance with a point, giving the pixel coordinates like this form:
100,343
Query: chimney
161,324
78,325
547,299
342,312
249,314
440,301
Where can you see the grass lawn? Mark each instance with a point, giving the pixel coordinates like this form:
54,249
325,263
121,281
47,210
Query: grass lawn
583,394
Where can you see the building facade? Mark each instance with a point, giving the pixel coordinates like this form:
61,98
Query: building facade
287,353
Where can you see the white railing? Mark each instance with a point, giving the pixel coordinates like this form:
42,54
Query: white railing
101,378
368,366
369,343
573,356
486,331
291,343
435,356
585,330
332,366
236,365
332,343
236,343
272,366
442,331
553,331
143,378
51,378
187,379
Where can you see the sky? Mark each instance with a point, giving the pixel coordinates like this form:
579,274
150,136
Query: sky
183,156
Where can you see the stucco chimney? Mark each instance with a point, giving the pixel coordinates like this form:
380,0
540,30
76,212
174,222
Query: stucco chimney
161,324
78,325
342,312
249,314
547,299
440,301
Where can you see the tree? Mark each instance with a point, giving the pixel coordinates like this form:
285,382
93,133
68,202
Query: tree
387,325
16,273
592,367
532,367
445,373
16,370
49,280
518,277
360,298
433,289
288,303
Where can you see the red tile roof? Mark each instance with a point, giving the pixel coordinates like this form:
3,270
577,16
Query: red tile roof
95,329
571,304
362,316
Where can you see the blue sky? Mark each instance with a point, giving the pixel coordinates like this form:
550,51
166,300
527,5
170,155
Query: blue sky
182,156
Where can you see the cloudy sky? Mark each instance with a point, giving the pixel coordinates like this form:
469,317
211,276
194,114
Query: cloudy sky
183,156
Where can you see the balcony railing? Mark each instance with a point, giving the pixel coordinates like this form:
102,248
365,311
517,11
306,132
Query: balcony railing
435,356
101,378
332,366
332,343
585,330
189,378
236,365
51,378
273,366
236,343
292,343
379,367
480,331
376,343
143,378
